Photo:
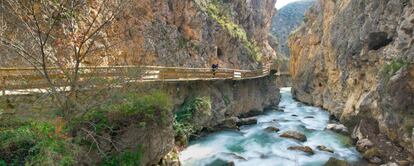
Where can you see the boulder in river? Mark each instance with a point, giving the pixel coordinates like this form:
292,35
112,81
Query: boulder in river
229,123
247,121
339,128
273,108
222,162
305,149
309,117
234,156
324,148
271,129
336,162
294,135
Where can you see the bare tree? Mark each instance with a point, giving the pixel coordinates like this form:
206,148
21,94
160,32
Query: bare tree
58,38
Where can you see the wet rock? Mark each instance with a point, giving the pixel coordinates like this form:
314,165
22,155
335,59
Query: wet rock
251,113
364,144
336,162
403,162
234,156
221,162
171,159
373,155
294,135
229,123
333,118
324,148
305,149
273,108
231,163
309,117
247,121
294,115
390,164
339,128
264,156
375,160
271,129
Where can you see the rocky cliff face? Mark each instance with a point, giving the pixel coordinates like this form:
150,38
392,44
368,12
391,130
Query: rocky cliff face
355,59
197,33
187,33
287,20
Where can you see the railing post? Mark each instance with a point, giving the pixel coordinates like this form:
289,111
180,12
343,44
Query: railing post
3,86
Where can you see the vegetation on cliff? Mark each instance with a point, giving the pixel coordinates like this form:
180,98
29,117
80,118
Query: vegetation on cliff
217,12
62,143
36,143
184,120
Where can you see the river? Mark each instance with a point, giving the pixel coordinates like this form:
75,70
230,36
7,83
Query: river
253,146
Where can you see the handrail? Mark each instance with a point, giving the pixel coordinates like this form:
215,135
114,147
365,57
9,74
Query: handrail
31,78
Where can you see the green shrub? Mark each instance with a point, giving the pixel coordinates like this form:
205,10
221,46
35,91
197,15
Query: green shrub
183,125
186,112
226,100
36,144
395,65
389,70
128,158
150,108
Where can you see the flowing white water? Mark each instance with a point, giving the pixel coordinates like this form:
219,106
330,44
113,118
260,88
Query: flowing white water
253,146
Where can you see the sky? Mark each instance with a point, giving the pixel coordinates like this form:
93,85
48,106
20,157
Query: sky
281,3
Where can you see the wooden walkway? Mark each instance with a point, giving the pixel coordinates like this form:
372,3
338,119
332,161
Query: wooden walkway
30,80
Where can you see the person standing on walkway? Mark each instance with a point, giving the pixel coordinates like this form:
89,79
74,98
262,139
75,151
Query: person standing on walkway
214,68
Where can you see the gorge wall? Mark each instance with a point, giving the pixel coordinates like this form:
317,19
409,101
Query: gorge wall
188,33
355,58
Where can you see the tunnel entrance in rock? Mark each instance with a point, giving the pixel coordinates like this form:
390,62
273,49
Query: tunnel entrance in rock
220,53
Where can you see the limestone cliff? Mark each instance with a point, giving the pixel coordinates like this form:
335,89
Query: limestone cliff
185,33
197,33
355,59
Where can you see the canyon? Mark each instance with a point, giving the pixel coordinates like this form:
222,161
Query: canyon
352,58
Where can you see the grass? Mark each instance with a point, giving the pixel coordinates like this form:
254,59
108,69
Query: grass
215,11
